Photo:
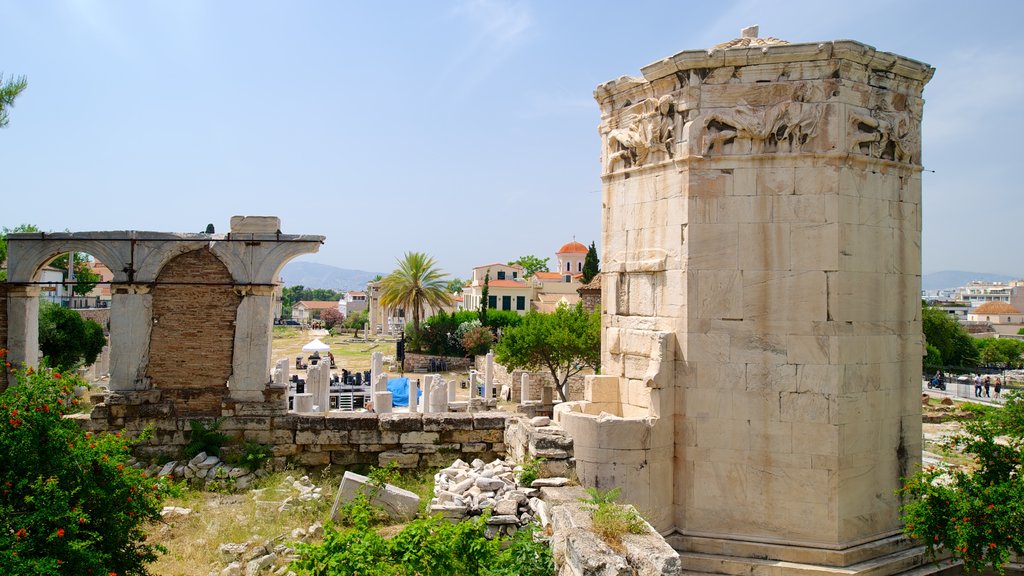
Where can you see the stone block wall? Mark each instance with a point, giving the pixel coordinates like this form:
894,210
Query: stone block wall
316,440
191,347
3,329
100,316
421,362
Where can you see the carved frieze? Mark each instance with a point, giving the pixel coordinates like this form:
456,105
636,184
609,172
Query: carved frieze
885,135
782,127
647,126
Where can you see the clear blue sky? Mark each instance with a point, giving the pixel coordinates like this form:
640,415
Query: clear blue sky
465,129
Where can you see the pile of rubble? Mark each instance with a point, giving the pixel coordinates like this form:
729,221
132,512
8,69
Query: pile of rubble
209,470
464,490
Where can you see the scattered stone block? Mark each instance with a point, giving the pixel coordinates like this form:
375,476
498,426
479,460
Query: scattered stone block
399,504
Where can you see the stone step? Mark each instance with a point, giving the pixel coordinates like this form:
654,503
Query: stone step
896,563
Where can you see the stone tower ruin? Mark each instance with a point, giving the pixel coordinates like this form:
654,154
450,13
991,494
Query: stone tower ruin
760,389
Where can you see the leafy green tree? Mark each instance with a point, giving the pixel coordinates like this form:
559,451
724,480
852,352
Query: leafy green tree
85,278
564,342
956,347
9,90
591,264
485,293
1002,352
356,321
415,284
455,285
66,339
70,503
531,264
974,513
3,244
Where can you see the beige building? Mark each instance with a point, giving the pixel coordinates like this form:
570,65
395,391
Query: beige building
306,311
544,291
996,313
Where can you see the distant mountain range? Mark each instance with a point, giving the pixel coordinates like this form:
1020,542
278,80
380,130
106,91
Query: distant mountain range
313,275
949,279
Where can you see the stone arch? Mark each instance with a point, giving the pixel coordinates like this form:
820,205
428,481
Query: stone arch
28,256
191,348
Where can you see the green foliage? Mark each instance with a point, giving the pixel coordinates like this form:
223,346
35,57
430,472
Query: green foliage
254,455
415,284
356,321
456,285
531,264
292,294
1000,352
611,520
3,242
974,516
502,319
933,356
564,342
956,347
425,547
485,294
9,90
85,278
439,334
205,438
1020,332
66,339
530,472
69,501
591,265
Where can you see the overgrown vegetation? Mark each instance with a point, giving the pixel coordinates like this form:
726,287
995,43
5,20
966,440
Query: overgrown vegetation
948,343
205,438
530,472
611,520
974,513
66,339
427,546
69,501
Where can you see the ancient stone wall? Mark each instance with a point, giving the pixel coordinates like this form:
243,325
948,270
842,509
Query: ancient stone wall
100,316
3,331
194,310
341,439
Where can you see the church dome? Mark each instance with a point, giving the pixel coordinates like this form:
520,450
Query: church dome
995,308
572,248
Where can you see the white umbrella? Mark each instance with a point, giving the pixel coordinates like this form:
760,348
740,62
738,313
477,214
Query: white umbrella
316,346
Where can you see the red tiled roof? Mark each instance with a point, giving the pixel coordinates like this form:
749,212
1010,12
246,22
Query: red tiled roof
498,264
548,275
573,247
319,304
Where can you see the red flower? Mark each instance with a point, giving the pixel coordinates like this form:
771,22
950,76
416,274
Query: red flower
60,532
21,533
81,520
56,375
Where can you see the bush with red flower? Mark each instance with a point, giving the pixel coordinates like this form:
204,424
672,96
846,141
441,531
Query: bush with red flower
69,503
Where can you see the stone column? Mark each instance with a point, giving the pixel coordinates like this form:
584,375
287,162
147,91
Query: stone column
489,376
428,385
131,323
23,325
382,402
251,362
451,390
376,365
414,395
524,388
381,383
473,391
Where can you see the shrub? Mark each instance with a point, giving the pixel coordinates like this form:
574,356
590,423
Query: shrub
530,472
69,501
205,438
426,546
66,340
612,521
477,340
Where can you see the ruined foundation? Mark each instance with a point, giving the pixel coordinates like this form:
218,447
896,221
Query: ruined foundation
762,240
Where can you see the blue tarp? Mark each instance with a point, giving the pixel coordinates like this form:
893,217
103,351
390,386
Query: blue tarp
399,388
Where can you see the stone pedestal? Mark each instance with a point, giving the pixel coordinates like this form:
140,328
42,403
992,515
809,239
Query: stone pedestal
131,323
762,206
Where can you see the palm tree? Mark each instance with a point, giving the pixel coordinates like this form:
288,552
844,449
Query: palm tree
415,283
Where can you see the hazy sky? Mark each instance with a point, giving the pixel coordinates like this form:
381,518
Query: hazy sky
464,129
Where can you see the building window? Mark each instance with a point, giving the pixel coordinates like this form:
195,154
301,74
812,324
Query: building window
501,274
515,274
579,266
568,266
568,278
520,302
492,301
506,302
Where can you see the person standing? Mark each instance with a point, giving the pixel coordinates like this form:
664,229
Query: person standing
988,383
999,386
977,385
